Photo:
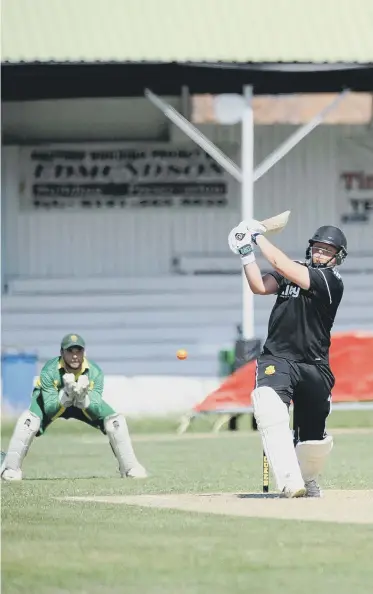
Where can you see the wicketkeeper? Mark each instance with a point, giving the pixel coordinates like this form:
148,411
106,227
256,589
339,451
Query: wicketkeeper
294,363
70,387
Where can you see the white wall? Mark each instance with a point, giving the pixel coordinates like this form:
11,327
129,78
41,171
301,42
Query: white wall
132,242
142,396
115,242
307,180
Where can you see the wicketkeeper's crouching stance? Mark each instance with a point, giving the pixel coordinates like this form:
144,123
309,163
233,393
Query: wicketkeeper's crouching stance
70,387
294,363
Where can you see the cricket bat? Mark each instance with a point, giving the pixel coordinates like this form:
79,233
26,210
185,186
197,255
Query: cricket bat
277,223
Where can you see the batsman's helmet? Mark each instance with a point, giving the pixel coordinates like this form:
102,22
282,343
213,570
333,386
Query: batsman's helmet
331,236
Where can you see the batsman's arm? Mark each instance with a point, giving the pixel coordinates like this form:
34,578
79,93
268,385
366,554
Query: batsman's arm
260,285
294,272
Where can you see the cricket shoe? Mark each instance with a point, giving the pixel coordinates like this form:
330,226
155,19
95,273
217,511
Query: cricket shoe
290,492
137,472
11,475
312,489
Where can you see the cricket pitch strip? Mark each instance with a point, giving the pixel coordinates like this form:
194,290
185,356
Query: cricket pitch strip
352,507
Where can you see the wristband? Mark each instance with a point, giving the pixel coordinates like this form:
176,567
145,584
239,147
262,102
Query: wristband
248,259
247,254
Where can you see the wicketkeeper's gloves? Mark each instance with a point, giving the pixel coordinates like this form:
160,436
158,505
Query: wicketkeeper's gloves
81,398
66,395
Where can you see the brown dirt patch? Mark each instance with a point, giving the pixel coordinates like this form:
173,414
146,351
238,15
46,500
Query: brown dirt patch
354,507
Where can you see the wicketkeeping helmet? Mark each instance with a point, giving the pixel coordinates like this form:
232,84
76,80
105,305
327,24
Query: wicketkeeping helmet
331,236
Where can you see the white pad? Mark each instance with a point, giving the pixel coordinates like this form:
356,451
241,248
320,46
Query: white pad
24,432
312,456
120,441
272,418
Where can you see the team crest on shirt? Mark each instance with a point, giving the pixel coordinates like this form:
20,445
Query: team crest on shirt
270,370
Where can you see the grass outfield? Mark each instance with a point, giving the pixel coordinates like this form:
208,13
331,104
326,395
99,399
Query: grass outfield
52,546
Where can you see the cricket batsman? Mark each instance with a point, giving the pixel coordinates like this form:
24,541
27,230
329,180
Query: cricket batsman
294,362
70,387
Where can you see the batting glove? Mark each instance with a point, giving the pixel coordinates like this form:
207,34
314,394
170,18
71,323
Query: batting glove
255,228
239,241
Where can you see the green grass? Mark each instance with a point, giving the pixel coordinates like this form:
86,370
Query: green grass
54,547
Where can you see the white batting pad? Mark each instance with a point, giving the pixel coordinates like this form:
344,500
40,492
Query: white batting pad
272,418
24,432
120,441
312,456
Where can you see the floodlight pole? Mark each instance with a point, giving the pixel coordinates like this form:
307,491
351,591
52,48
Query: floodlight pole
247,201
